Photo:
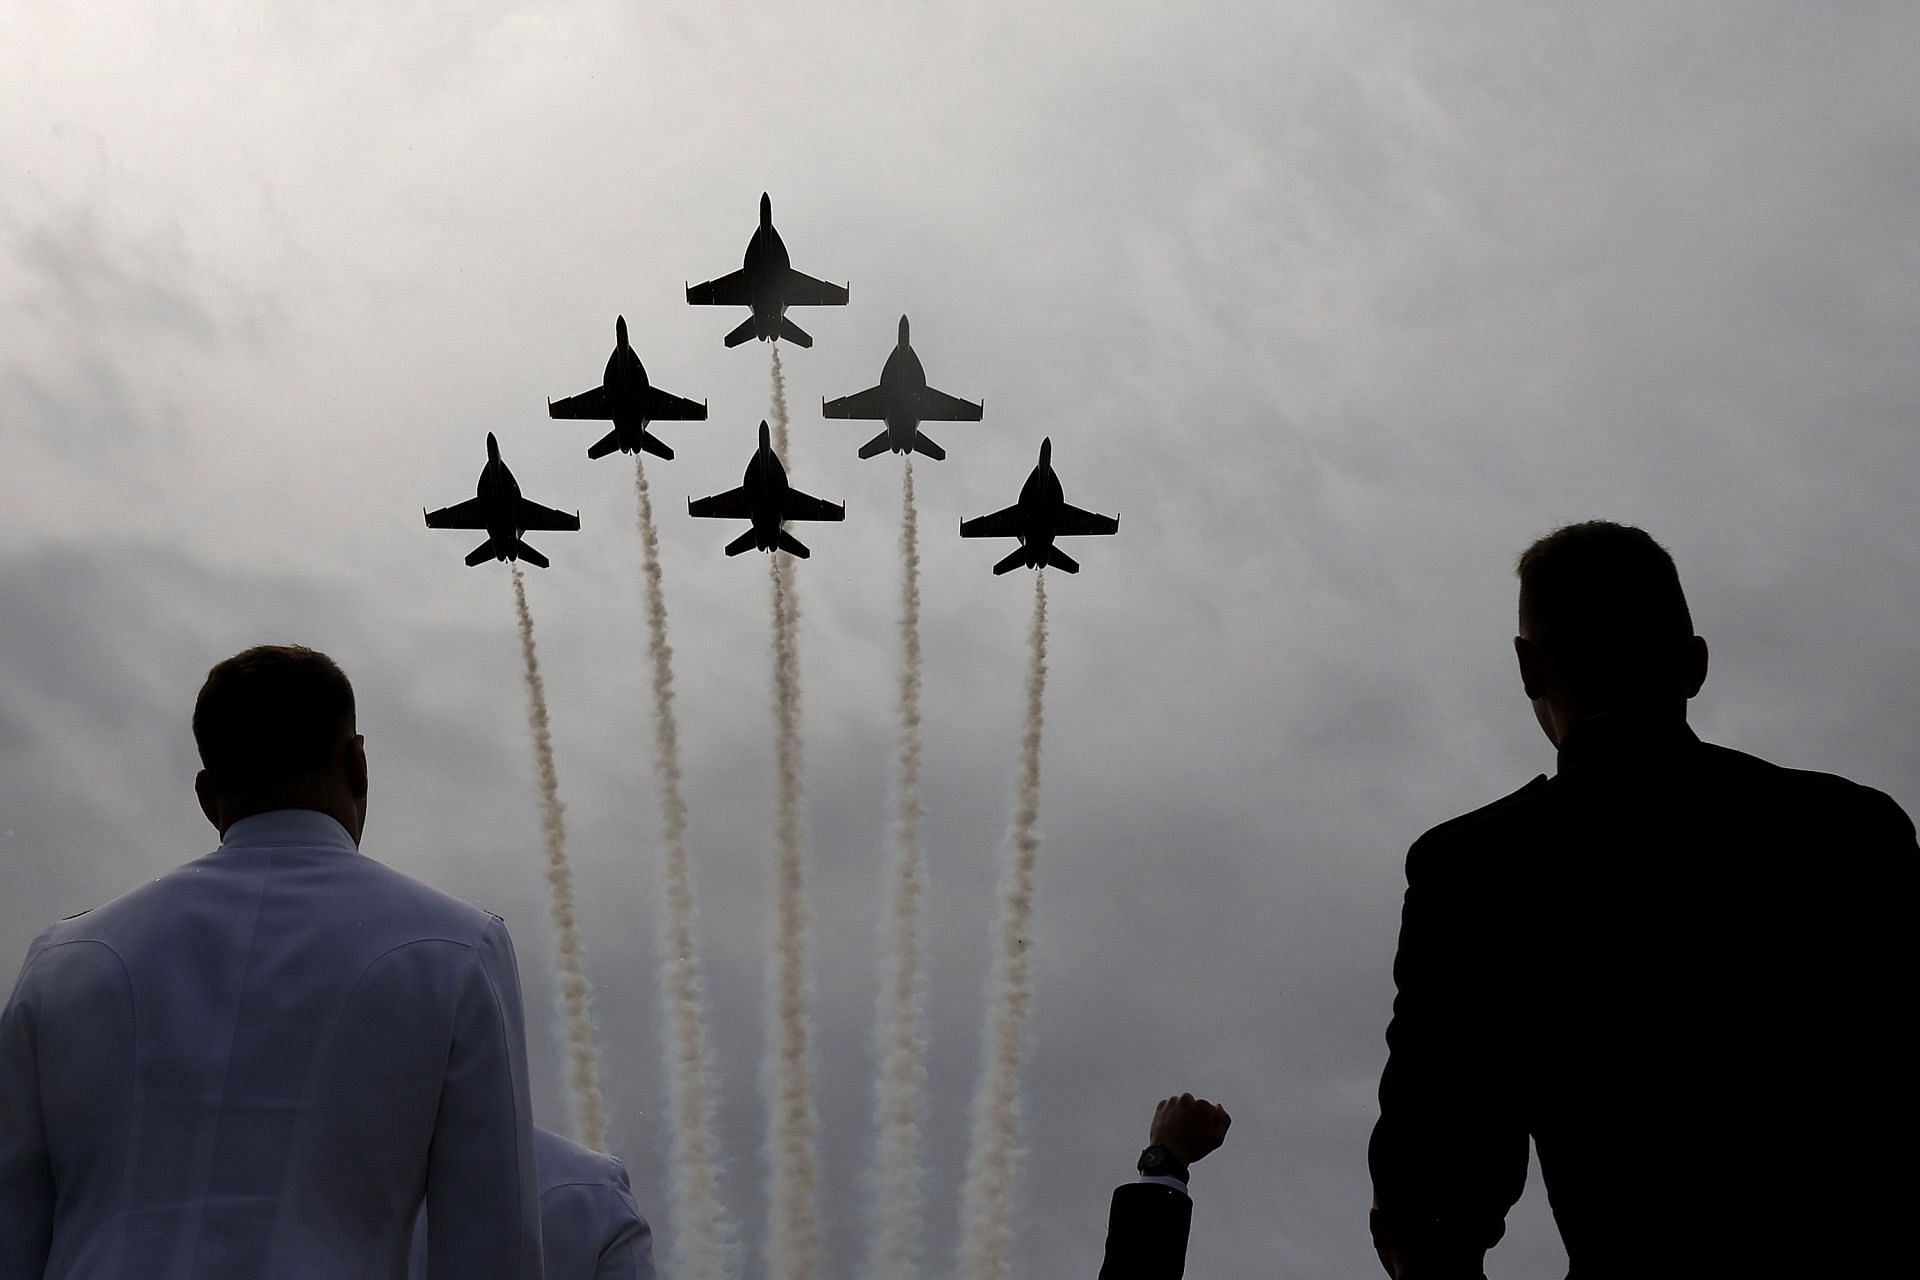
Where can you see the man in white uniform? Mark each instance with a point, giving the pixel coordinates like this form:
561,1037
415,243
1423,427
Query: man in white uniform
259,1064
590,1227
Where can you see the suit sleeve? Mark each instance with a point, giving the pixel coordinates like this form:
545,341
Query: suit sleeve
483,1200
1449,1153
1147,1226
26,1170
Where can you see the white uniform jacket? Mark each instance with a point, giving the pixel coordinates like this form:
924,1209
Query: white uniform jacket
590,1227
257,1066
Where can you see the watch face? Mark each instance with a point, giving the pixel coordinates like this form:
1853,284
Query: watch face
1153,1158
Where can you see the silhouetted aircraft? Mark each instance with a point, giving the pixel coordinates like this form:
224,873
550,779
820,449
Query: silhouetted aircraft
766,498
904,400
1041,515
498,508
625,396
767,282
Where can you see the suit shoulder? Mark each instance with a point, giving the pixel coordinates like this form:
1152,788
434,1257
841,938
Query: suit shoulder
1493,821
1811,792
431,911
562,1162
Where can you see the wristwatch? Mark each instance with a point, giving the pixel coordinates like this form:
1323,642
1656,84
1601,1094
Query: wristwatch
1158,1162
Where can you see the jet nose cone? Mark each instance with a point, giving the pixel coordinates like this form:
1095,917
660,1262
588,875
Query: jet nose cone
1046,452
620,330
766,437
766,209
493,448
903,331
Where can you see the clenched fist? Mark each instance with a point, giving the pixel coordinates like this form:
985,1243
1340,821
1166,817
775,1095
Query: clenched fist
1189,1127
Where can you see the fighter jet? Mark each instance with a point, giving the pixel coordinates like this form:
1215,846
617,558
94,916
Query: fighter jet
498,508
625,396
769,284
766,498
1041,515
904,400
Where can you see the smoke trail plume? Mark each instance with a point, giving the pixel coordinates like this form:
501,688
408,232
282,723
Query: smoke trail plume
898,1175
793,1238
583,1063
987,1198
701,1234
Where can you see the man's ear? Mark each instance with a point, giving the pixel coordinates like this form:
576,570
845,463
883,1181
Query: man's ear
356,763
1532,667
1694,674
209,799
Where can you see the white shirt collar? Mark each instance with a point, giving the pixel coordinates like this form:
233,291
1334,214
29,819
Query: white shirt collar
281,828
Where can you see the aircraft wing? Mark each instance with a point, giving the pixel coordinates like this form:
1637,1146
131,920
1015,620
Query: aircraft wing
861,404
588,404
938,406
663,406
1006,523
531,515
729,290
731,505
804,291
471,514
803,506
1074,522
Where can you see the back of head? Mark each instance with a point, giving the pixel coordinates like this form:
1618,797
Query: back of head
1603,601
272,724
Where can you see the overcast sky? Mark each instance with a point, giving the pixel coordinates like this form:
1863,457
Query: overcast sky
1339,306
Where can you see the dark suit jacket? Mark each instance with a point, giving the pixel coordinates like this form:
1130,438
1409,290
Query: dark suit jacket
1147,1233
1679,970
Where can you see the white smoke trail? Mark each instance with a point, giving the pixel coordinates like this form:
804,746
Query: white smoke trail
583,1063
793,1237
901,1023
987,1198
701,1232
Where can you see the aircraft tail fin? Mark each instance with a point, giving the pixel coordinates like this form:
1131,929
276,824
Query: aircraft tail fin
875,446
928,447
741,332
605,444
655,445
790,544
1062,561
531,556
794,333
1012,562
742,543
481,553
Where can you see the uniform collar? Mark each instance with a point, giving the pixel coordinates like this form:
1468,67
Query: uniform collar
288,828
1624,741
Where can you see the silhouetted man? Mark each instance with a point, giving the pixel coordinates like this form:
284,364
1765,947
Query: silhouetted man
255,1066
1673,965
590,1227
1148,1221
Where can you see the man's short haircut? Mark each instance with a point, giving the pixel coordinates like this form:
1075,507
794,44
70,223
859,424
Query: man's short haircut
271,714
1605,599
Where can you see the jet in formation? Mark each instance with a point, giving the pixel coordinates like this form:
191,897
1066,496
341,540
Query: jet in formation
498,508
630,401
767,282
904,401
1041,515
766,498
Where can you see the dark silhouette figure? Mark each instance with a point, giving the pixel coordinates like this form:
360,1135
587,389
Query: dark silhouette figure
498,508
765,498
630,402
1149,1219
1672,965
904,400
1041,515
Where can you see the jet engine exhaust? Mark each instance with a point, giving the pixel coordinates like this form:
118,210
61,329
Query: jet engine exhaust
702,1233
793,1237
901,1021
583,1062
987,1197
